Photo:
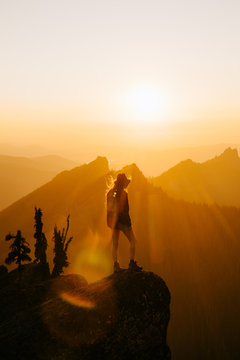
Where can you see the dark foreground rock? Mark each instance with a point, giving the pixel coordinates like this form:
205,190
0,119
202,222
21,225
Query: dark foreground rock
124,316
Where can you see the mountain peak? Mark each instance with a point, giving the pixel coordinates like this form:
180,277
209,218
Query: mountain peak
132,170
100,162
229,156
230,153
99,167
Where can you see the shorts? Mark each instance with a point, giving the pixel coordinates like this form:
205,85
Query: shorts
123,221
122,227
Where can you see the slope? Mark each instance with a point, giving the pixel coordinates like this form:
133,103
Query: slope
193,247
216,180
20,175
68,193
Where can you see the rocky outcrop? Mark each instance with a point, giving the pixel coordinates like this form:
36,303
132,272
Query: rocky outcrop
123,316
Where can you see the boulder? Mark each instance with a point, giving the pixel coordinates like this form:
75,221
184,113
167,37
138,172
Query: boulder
123,316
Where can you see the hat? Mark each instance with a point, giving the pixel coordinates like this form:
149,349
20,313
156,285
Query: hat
122,180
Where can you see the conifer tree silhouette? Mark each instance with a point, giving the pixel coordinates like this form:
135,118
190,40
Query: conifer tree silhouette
40,244
60,249
19,250
41,241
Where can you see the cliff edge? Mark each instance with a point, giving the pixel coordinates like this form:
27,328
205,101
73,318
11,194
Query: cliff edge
123,316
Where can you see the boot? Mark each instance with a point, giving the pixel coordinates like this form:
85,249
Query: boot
133,266
116,267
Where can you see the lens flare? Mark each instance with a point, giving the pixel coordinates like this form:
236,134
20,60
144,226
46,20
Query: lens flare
77,300
92,264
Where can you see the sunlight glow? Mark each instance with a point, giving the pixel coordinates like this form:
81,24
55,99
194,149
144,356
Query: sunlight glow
145,102
92,264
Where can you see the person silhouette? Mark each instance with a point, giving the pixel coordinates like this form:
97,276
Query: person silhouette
118,219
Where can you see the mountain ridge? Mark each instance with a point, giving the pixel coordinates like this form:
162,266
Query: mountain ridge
21,175
190,245
213,181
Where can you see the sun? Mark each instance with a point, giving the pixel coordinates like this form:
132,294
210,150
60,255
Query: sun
145,102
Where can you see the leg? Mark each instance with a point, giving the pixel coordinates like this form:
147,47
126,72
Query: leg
115,237
128,231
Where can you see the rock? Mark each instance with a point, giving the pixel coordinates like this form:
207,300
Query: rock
123,316
140,329
35,272
3,270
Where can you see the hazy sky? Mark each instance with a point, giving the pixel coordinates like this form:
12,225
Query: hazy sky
85,74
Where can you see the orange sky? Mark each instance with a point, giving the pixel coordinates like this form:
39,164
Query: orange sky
95,75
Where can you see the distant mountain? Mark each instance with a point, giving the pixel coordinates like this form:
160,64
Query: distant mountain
20,175
194,247
71,192
154,162
214,181
24,150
